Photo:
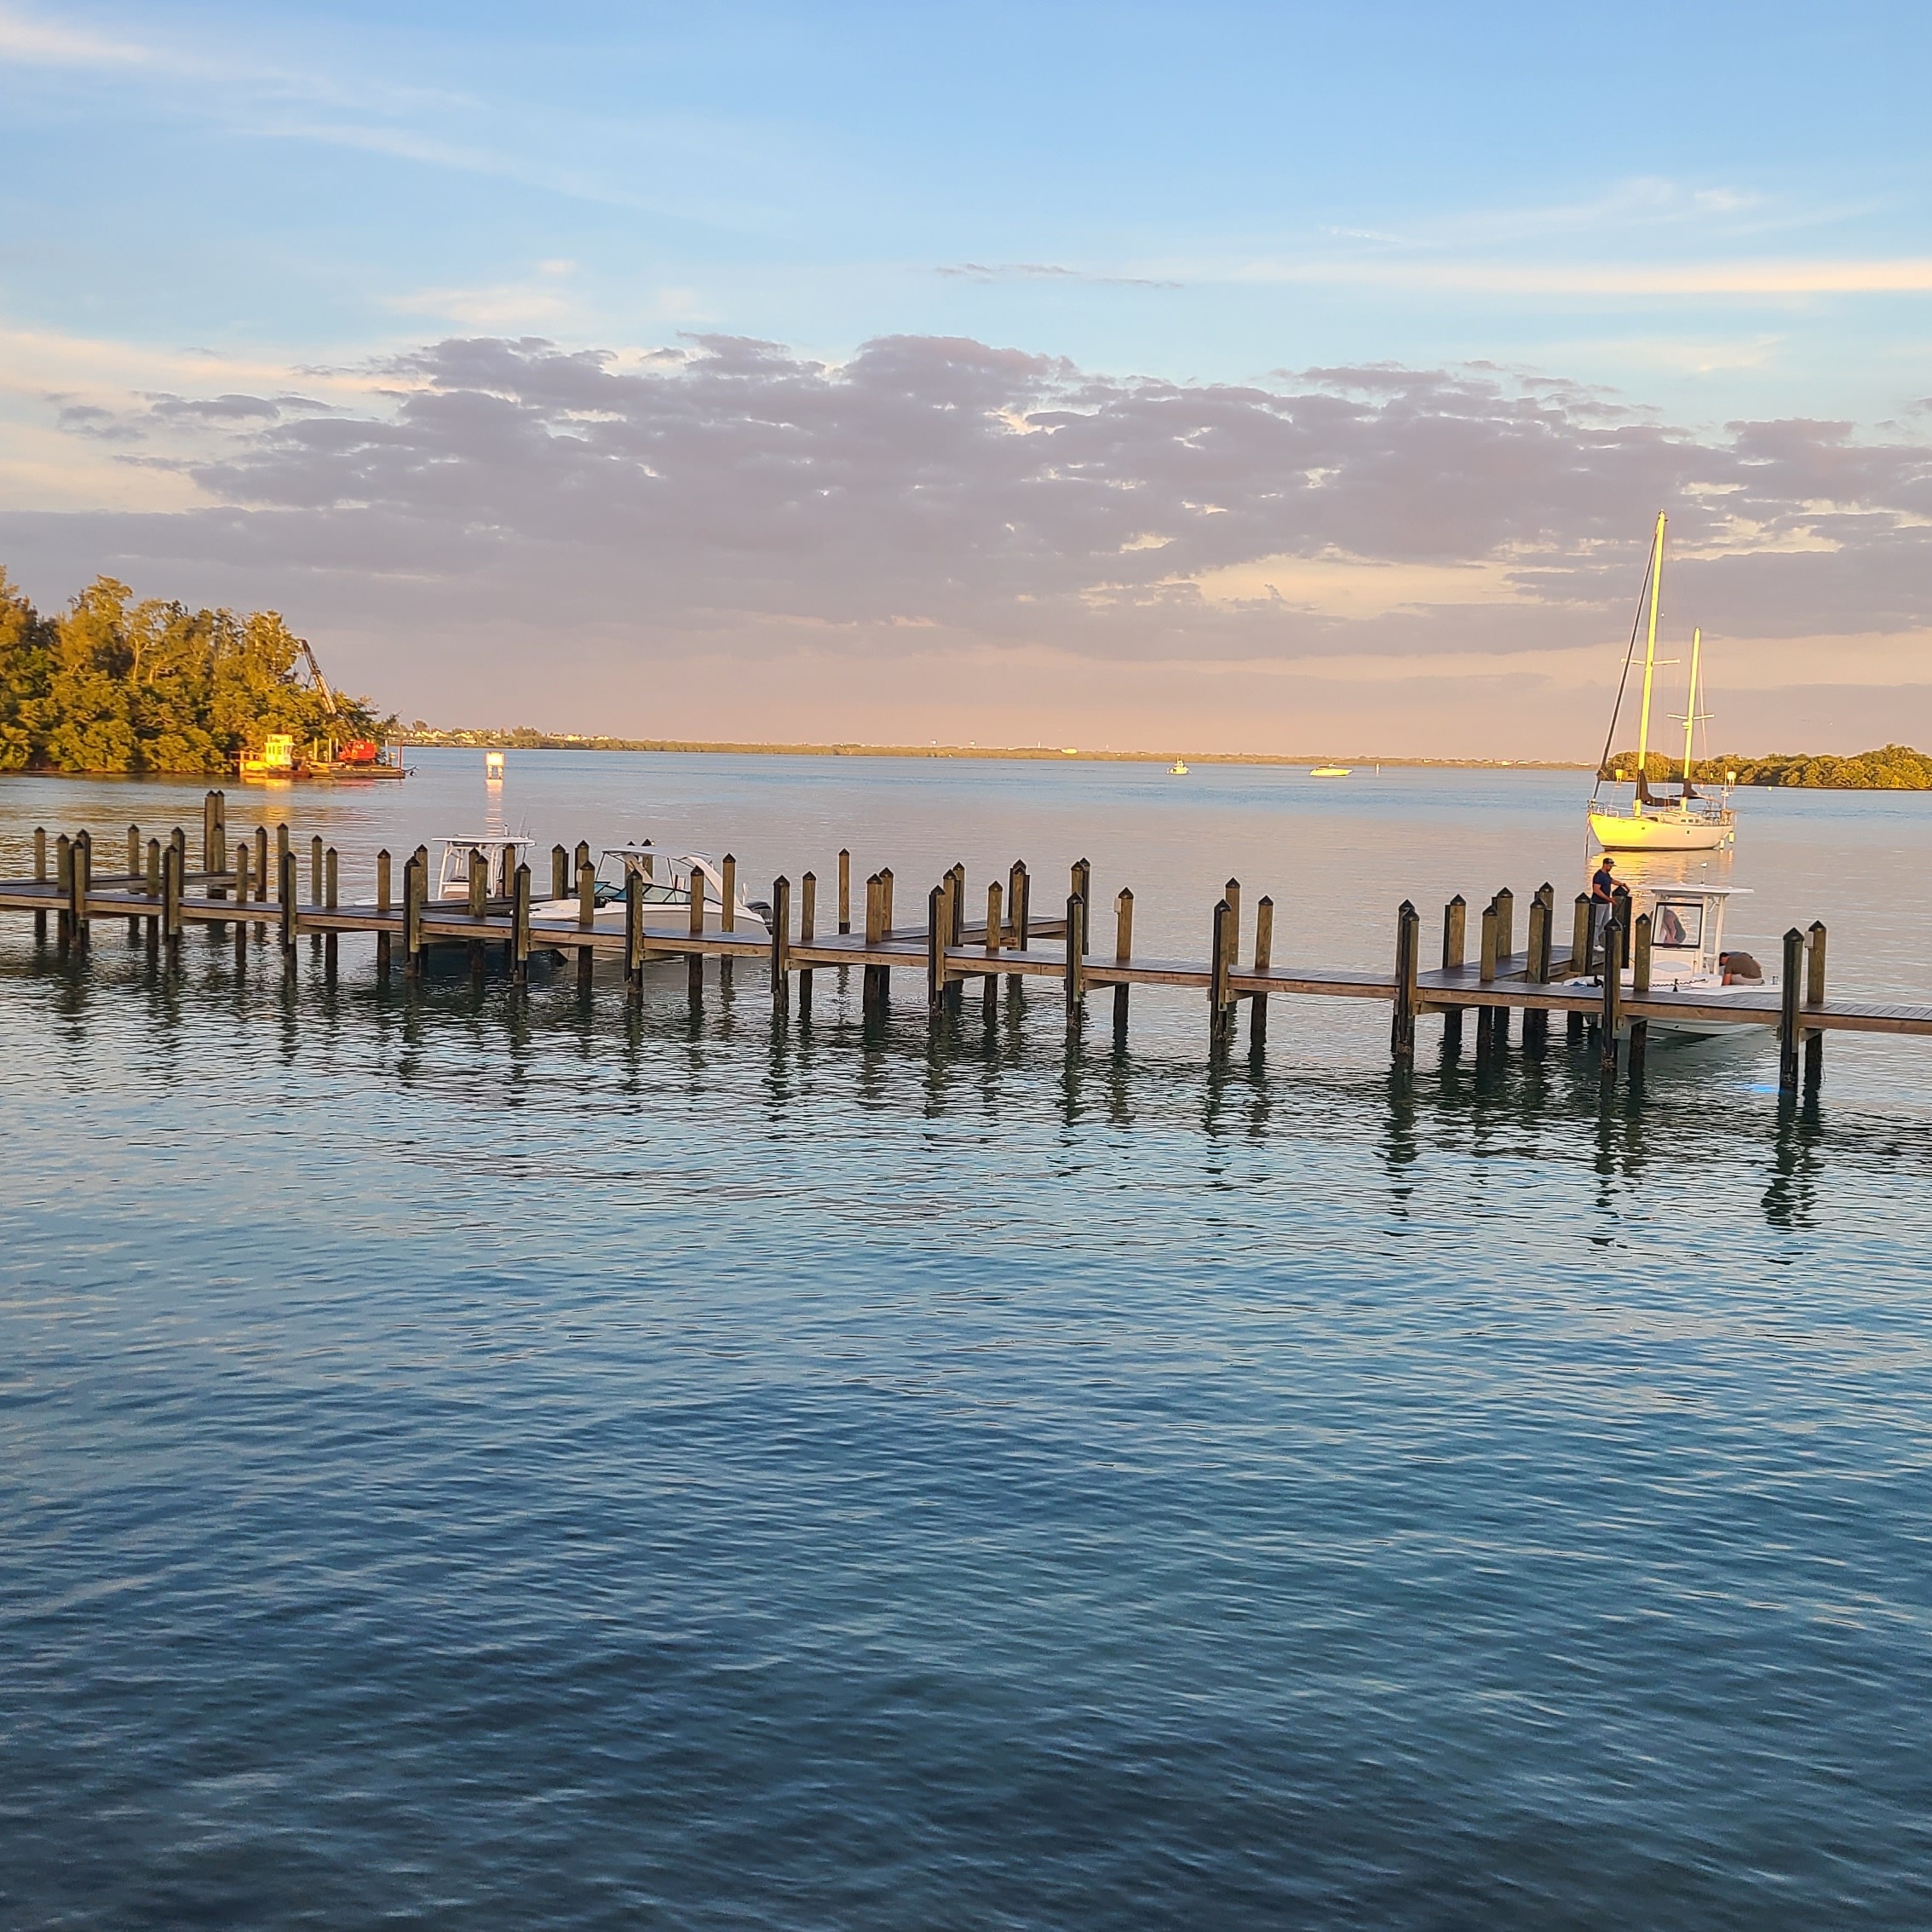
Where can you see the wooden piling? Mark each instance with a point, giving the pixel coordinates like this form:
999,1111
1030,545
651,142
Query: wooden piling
287,893
844,890
519,925
1580,930
586,916
1791,988
1123,952
64,886
214,849
936,925
996,933
781,947
259,928
1455,928
1220,929
1535,1019
1408,967
416,886
1076,968
694,925
382,906
1610,1017
1815,996
315,884
1486,974
1640,985
807,932
560,872
728,911
40,878
242,867
81,865
1264,957
331,881
478,906
873,983
135,879
1505,904
174,876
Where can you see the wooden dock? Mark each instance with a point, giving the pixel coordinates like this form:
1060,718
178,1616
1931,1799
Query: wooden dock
242,891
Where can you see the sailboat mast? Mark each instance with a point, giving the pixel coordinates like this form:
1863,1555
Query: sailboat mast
1690,706
1650,658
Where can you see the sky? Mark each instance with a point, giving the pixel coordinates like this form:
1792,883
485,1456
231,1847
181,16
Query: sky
1283,379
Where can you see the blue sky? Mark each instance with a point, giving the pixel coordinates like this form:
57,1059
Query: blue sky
1696,216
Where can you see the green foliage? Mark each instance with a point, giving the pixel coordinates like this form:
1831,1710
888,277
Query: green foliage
114,686
1892,768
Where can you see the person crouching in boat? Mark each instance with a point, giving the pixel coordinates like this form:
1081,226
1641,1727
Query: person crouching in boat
1739,969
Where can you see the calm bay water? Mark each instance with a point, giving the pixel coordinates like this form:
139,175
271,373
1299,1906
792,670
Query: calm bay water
483,1459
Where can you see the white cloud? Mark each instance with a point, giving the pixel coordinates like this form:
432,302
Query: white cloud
45,43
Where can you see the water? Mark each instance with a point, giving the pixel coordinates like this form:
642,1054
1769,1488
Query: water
484,1460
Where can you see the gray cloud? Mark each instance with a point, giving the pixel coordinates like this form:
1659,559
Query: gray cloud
1047,272
729,494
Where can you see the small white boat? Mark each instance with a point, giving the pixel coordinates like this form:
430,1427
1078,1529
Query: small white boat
1332,771
1688,821
1178,768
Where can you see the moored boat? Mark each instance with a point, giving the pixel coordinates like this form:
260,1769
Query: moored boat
1688,820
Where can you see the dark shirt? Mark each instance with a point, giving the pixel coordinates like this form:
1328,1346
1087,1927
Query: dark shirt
1741,966
1603,884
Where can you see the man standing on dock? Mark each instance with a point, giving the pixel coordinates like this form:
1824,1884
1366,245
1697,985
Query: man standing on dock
1603,887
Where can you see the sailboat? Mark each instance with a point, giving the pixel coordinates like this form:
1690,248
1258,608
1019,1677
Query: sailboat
1688,821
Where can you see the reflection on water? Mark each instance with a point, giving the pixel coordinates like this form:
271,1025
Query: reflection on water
490,1455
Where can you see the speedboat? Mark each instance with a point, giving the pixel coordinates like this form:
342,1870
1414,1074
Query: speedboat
1688,820
666,883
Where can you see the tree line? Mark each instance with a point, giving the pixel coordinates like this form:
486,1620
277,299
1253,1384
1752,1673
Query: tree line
113,685
1891,767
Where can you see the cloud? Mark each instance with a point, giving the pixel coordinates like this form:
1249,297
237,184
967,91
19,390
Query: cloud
930,500
1737,280
1048,272
43,43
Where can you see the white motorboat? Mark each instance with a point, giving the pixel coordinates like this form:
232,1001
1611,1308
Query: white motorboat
1687,954
666,882
1688,821
501,855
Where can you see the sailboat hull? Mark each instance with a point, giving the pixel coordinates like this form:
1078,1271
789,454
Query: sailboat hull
1660,831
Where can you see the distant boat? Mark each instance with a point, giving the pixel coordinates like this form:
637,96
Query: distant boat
1331,771
1689,822
1178,768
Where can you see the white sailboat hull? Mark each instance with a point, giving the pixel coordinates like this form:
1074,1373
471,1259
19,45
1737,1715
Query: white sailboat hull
1661,832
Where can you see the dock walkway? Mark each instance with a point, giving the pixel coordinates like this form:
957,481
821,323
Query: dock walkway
230,895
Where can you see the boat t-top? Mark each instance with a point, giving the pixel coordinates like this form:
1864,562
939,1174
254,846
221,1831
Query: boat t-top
1688,820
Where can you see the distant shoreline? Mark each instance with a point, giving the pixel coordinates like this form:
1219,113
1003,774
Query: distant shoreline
564,741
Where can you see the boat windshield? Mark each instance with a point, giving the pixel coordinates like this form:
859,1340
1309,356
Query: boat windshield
1678,925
